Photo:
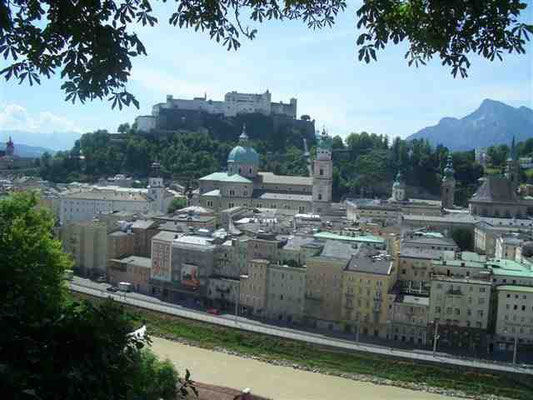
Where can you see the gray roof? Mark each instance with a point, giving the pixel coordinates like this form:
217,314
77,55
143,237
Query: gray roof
173,226
270,178
415,252
212,193
165,236
429,241
144,262
370,261
225,177
495,189
106,195
144,223
337,249
258,194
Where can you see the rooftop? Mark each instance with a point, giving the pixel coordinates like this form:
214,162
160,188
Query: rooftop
144,262
357,239
495,189
430,241
259,194
370,261
225,177
165,236
110,195
416,252
337,249
271,178
143,224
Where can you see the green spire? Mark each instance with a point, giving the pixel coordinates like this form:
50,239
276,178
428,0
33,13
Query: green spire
449,171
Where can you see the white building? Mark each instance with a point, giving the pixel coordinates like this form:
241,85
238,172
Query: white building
234,103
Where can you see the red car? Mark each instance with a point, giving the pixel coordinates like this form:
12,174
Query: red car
213,311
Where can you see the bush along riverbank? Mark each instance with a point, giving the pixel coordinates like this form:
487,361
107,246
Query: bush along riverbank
359,366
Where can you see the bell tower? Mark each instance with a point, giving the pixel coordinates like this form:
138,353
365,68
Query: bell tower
448,185
156,189
322,174
512,169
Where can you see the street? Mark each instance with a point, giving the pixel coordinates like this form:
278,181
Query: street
135,299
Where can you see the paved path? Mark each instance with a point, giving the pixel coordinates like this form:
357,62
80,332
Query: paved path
151,303
274,381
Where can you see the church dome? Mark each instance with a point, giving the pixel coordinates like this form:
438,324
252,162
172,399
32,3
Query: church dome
243,155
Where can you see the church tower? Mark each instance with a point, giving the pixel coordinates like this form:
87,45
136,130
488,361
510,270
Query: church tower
156,190
398,188
512,169
322,174
448,185
10,148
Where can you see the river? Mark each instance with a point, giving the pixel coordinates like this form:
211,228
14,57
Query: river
272,381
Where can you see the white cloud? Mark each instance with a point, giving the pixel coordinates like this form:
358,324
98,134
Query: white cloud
16,117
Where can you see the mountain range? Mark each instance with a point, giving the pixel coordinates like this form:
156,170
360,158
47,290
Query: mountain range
49,141
492,123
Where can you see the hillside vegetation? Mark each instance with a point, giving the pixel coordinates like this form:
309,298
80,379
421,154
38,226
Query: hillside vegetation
364,164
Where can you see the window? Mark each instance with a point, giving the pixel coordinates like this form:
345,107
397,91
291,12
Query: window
321,172
481,290
320,196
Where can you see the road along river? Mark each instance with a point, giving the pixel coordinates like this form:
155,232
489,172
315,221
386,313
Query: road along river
272,381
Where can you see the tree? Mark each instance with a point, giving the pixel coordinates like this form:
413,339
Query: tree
177,203
464,238
51,348
92,43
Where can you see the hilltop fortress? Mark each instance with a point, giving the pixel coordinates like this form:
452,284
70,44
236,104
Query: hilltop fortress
234,103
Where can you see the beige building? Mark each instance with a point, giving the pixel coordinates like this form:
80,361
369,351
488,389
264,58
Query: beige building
253,295
461,309
323,298
132,269
285,293
87,242
408,319
120,244
514,316
366,280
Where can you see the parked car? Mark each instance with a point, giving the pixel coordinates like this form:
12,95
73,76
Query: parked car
213,311
112,289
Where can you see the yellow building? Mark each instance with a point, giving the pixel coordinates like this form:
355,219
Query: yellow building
366,280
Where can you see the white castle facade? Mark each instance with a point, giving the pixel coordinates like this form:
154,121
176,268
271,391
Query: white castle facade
234,103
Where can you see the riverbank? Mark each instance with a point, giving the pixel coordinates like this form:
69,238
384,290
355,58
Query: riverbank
274,381
363,367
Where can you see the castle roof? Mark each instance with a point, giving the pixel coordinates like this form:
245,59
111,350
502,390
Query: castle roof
495,189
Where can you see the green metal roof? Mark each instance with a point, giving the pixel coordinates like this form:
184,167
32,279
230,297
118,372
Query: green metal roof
225,177
243,155
514,288
511,268
360,239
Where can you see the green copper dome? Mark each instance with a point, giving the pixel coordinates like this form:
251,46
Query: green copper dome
243,154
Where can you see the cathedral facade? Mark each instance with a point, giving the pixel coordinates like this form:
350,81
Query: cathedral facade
243,185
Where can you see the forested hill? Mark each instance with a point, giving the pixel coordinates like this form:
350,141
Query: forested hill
364,164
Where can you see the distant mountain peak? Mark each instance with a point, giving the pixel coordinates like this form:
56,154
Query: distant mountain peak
494,122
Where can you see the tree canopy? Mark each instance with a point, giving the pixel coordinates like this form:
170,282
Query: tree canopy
54,348
91,43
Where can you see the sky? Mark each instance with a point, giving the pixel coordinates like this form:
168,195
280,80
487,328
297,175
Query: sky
319,68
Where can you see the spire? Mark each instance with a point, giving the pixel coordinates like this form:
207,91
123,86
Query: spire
243,138
449,171
513,155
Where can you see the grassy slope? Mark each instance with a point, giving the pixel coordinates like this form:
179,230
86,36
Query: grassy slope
314,357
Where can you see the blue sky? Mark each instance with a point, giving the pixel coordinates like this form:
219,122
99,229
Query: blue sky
319,68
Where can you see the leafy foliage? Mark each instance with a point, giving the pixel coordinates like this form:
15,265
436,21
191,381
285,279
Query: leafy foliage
449,29
54,349
91,44
177,204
